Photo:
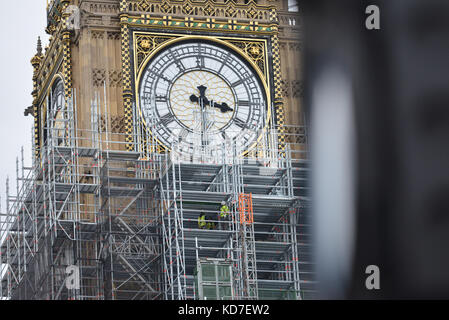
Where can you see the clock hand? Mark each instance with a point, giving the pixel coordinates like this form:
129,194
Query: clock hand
202,98
223,107
205,102
202,90
194,98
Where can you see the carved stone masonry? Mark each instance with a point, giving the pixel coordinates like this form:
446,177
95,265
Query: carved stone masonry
98,77
115,78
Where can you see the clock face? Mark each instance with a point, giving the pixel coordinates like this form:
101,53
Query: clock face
57,98
57,104
197,94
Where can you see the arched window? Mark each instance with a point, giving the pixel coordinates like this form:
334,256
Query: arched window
55,104
57,99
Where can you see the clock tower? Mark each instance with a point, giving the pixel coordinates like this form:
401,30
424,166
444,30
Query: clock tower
138,56
169,155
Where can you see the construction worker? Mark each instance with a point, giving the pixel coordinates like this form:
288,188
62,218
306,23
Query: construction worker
202,221
211,225
224,216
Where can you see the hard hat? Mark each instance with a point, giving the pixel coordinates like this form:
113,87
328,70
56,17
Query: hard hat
223,203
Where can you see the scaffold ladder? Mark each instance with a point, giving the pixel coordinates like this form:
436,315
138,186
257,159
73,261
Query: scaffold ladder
246,209
250,290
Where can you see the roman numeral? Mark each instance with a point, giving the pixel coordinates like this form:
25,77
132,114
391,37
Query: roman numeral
224,62
178,62
237,83
166,79
200,62
161,99
244,103
240,123
153,73
246,77
166,119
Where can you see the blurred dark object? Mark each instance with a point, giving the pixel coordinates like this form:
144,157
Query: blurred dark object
390,207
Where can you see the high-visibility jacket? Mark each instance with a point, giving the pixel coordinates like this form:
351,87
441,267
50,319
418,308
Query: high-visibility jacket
201,221
211,226
224,211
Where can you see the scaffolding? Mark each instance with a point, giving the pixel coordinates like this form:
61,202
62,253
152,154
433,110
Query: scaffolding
128,221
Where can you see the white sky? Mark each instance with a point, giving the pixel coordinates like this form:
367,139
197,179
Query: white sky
21,22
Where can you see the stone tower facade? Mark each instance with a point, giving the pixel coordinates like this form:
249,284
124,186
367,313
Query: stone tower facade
98,48
111,205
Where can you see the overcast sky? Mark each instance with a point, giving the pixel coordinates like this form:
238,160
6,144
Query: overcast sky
21,23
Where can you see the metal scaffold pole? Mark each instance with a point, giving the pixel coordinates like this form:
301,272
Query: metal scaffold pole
128,221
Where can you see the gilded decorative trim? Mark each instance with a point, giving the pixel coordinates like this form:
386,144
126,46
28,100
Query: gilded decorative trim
277,76
228,9
66,54
126,76
36,61
67,64
255,51
145,44
202,24
243,49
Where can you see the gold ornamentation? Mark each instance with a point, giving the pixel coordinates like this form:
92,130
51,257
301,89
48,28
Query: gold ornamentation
252,13
146,45
126,78
144,5
187,8
253,50
211,8
277,75
166,8
230,10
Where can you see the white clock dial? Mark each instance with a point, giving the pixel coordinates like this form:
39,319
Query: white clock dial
57,111
217,91
57,98
201,94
